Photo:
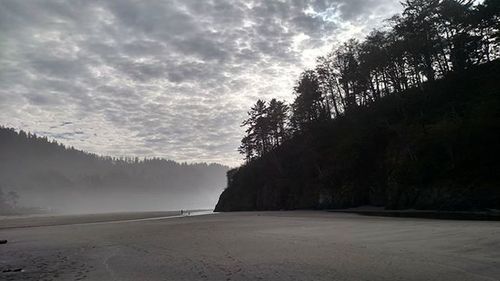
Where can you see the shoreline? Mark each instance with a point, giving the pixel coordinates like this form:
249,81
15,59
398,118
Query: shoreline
423,214
99,218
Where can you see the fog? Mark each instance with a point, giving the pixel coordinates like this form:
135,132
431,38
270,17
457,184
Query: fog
48,176
118,201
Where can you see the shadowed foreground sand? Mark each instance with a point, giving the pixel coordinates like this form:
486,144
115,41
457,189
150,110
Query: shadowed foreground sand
255,246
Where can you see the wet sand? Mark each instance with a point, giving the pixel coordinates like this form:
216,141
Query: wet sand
254,246
53,220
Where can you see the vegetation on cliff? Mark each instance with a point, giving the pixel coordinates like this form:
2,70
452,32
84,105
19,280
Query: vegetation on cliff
408,118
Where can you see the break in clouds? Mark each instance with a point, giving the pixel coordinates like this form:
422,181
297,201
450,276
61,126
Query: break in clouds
167,78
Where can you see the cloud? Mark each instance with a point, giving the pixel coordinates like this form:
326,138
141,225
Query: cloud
161,78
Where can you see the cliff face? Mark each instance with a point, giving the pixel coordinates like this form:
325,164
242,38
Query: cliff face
432,148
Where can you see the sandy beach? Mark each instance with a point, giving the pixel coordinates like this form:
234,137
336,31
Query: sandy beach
250,246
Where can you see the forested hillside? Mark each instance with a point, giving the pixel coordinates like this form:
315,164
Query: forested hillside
407,118
46,174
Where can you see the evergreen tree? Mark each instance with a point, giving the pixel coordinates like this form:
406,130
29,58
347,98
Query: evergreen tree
429,40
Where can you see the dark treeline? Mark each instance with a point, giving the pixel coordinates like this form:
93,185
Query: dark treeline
47,174
406,118
429,41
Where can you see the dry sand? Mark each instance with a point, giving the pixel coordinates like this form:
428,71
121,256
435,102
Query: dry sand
255,246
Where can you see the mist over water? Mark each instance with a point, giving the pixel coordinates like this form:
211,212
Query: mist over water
116,201
49,176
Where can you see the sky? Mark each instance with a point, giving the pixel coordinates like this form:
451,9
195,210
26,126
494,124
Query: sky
171,78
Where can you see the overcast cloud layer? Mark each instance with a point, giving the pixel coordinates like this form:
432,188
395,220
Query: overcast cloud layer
169,78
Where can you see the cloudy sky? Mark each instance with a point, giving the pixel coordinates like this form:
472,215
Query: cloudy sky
171,78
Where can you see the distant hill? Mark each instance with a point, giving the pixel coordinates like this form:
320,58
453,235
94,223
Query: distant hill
431,148
49,175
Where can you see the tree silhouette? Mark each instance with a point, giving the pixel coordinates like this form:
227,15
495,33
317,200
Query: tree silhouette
429,40
309,104
277,114
266,128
